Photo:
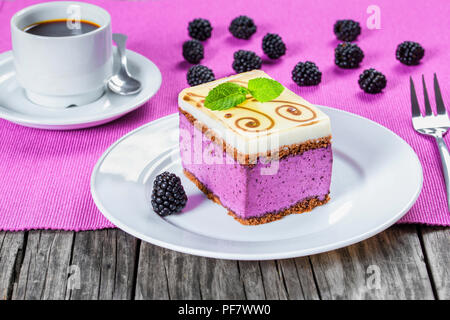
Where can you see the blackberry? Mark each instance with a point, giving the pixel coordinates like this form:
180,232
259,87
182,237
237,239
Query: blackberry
409,53
193,51
199,74
168,195
348,55
372,81
347,30
246,61
200,29
242,27
273,46
306,74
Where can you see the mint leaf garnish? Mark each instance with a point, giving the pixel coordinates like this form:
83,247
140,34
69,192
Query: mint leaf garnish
225,96
264,89
228,95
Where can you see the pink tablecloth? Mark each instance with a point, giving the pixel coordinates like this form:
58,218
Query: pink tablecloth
45,174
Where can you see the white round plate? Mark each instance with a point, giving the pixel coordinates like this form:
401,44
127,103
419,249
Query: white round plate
377,177
15,107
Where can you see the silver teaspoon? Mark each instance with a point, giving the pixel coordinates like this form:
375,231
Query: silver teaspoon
122,82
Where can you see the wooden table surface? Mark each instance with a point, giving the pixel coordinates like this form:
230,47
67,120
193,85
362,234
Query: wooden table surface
403,262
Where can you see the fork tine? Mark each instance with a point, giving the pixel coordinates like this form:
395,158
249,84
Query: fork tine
414,103
437,93
428,111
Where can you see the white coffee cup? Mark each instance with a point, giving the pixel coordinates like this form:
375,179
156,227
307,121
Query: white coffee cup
62,71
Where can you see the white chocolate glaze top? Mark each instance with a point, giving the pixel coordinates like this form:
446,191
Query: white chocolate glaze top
254,127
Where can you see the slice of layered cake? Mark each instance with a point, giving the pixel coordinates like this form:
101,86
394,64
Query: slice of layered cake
261,161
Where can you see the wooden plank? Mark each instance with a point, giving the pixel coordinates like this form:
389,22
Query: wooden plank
220,279
387,266
105,260
273,280
11,256
44,271
436,242
87,261
183,274
152,278
251,277
166,274
120,252
289,279
299,279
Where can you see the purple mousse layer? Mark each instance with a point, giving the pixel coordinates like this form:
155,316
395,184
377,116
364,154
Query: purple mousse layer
244,189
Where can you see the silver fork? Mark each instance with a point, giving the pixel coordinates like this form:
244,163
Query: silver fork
433,125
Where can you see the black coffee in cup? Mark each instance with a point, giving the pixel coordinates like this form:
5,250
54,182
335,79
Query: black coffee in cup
61,28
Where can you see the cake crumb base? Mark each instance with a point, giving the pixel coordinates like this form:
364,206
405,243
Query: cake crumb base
305,205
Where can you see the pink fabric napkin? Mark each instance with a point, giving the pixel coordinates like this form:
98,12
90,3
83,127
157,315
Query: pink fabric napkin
45,174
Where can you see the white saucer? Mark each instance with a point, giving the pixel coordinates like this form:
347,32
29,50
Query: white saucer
377,177
15,107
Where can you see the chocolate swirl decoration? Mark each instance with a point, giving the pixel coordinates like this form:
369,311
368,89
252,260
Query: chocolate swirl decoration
249,124
252,124
294,111
190,96
289,110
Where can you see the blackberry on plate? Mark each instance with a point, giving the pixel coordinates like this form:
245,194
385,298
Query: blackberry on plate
246,61
348,55
273,46
306,74
409,53
200,29
372,81
193,51
242,27
347,30
199,74
168,195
